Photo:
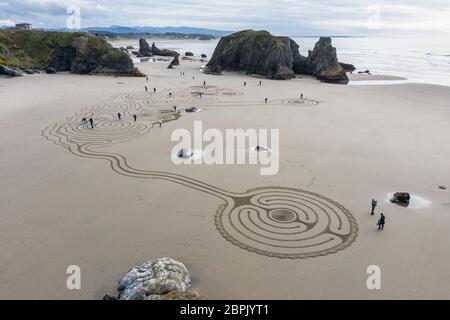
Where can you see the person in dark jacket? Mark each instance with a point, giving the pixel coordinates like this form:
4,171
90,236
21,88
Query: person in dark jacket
374,205
381,222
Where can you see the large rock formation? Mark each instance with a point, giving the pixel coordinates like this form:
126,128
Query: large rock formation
64,51
163,52
259,52
158,279
256,52
144,49
322,62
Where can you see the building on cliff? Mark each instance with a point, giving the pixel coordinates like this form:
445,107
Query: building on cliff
22,26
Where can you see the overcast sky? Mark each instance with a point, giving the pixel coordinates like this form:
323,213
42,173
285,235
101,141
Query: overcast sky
287,17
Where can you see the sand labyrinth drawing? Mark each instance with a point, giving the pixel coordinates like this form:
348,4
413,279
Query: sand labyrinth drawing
273,221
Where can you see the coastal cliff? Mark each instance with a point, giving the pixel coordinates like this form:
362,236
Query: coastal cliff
76,52
261,53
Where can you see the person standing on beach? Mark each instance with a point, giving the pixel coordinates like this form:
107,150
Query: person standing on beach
381,222
154,90
119,115
160,123
265,100
174,108
84,121
204,83
245,84
260,83
301,96
374,205
145,88
170,94
91,121
147,79
135,117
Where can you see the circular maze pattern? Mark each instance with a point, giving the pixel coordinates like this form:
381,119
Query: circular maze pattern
286,223
272,221
214,91
307,102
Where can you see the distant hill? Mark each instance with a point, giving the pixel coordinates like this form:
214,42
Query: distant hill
154,30
166,35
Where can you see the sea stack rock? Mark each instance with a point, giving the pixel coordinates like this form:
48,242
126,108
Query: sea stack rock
174,62
261,53
256,52
322,63
163,52
144,48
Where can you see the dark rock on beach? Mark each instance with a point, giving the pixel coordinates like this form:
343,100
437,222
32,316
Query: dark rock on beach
214,69
401,198
188,54
204,56
347,67
174,62
50,70
261,53
10,72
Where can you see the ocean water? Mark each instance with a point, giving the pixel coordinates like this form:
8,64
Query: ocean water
421,60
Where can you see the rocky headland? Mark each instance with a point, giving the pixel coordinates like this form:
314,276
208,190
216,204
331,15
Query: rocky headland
261,53
35,50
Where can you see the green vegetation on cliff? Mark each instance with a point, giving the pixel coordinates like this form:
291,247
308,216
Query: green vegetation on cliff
77,52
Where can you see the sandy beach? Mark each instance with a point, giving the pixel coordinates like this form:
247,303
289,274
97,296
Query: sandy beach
62,206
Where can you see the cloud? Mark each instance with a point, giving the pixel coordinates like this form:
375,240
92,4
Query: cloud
290,17
6,23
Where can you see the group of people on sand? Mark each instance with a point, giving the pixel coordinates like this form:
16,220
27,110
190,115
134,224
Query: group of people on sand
91,122
120,115
146,89
382,219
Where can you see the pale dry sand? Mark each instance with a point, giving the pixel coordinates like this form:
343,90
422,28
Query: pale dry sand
58,209
375,77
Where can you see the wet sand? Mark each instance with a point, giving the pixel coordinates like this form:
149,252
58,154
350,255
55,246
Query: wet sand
357,142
